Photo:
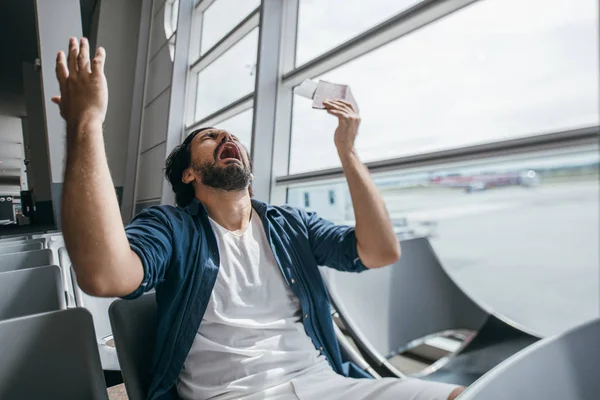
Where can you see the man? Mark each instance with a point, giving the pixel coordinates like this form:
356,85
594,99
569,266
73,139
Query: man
242,310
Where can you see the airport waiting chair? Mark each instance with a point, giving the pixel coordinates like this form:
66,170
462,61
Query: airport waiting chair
20,247
54,246
30,291
561,367
50,356
26,259
65,269
98,307
400,306
23,242
9,238
134,328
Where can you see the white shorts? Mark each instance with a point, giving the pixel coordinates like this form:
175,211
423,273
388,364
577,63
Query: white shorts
328,385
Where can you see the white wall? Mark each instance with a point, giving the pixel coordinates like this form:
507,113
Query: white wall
155,115
117,32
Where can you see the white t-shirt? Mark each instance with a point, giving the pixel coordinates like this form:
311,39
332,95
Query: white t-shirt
251,336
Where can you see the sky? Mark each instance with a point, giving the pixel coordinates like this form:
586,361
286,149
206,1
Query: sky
495,70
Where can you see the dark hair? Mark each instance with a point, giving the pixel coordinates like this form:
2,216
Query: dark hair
178,161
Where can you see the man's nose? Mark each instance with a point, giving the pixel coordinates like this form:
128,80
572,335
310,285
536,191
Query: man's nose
225,136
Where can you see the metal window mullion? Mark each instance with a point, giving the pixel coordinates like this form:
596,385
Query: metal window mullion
266,94
229,111
175,123
229,40
192,78
576,138
202,5
283,117
404,23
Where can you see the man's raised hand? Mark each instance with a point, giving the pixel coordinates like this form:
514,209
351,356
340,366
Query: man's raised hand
83,91
348,122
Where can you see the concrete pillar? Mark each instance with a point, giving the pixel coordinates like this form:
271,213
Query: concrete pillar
35,142
57,21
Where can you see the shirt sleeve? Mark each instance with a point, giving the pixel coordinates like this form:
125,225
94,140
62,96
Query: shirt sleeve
150,236
333,246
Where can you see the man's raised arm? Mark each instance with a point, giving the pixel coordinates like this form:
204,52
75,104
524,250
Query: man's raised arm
94,234
376,241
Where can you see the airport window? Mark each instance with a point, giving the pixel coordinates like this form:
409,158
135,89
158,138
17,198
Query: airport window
221,17
495,70
519,233
172,46
306,199
228,78
325,24
171,14
240,125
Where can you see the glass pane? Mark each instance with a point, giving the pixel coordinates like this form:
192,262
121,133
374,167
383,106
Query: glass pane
325,24
171,14
240,125
229,77
518,235
496,70
221,17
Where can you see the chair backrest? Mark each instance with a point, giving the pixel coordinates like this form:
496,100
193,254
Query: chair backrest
26,259
55,245
50,356
385,309
20,246
9,238
30,291
23,242
562,367
134,328
68,281
98,307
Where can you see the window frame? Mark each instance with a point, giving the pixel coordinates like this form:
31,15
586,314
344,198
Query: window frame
200,62
283,19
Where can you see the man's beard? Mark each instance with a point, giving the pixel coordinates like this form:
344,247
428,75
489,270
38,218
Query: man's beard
230,178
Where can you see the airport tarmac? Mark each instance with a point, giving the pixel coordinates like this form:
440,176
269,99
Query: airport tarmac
530,254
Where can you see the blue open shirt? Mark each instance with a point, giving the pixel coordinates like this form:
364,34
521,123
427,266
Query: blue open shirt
181,260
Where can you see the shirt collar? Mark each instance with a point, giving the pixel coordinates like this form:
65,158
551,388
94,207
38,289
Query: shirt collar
195,207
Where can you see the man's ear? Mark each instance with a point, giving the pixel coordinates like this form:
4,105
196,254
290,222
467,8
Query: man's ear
188,176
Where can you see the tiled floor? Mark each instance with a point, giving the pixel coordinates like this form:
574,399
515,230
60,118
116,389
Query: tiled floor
117,392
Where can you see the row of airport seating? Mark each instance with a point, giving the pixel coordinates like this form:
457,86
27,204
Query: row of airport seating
54,339
400,310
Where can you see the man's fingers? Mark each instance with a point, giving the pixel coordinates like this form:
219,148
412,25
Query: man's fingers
336,105
83,60
330,104
62,73
348,104
73,53
343,105
56,100
337,113
98,61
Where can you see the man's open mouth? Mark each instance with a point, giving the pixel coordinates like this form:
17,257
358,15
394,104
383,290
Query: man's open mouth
230,151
